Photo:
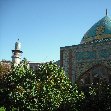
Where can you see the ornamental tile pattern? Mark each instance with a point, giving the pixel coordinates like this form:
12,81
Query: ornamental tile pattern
100,30
95,48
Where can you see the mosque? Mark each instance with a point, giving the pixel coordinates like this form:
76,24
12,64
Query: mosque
90,61
86,63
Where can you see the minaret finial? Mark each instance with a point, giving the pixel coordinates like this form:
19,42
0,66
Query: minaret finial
106,12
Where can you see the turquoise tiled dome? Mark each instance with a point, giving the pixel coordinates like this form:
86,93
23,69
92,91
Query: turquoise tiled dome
100,30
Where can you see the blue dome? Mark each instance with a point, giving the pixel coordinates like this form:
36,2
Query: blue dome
99,31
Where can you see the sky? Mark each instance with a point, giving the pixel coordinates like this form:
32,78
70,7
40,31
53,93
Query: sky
43,26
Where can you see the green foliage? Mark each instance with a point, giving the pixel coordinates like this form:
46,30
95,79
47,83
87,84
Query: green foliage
17,86
2,109
73,100
53,85
97,98
4,69
46,89
55,89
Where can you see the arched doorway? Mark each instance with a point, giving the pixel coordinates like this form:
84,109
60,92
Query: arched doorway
95,75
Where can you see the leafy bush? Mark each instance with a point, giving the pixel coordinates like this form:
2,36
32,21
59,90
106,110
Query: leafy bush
4,68
2,109
97,98
46,89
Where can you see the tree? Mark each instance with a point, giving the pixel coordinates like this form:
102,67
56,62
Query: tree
46,89
55,90
4,68
97,98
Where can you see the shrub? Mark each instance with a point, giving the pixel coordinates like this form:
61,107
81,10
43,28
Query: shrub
46,89
97,98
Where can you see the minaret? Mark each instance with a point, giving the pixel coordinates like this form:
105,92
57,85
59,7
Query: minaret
16,57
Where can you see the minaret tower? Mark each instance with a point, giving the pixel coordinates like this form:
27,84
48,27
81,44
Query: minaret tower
16,57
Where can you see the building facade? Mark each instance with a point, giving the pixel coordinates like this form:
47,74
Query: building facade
90,61
34,65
